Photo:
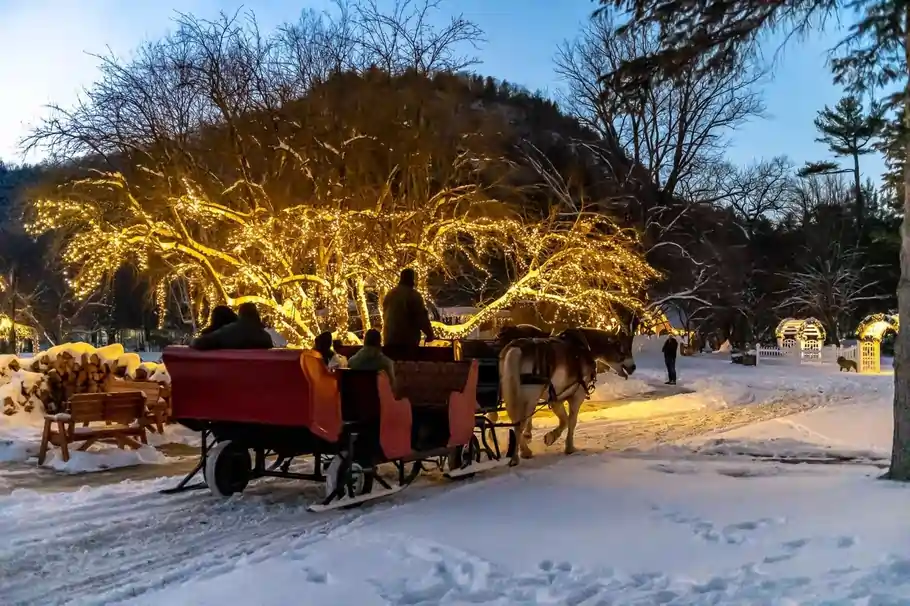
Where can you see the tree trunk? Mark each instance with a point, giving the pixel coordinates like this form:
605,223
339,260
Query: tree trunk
363,308
12,316
900,447
860,205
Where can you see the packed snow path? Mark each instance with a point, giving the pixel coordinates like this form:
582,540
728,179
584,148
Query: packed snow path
125,539
107,544
593,530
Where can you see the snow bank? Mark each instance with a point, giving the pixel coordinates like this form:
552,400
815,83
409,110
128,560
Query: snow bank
851,419
20,436
850,428
23,392
104,458
613,387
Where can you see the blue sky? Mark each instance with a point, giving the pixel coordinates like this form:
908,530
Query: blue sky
45,46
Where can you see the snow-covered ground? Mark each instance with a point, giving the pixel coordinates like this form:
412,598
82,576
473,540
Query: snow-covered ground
710,493
20,439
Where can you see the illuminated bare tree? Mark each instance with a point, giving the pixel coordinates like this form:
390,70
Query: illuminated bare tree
213,160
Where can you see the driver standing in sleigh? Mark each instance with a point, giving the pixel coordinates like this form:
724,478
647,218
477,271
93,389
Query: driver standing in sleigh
405,316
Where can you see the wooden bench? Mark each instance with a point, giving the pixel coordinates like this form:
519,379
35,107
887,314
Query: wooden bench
157,408
124,414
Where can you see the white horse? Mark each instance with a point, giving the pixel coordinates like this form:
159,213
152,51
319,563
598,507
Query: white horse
557,370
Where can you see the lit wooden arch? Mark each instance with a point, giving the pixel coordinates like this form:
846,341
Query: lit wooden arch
869,333
22,331
808,329
874,326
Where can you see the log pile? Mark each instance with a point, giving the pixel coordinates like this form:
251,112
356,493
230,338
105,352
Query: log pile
21,389
52,376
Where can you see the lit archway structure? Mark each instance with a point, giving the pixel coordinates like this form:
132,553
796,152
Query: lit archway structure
808,333
869,333
22,331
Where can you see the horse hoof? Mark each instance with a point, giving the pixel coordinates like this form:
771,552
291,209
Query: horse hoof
549,438
571,450
527,454
513,462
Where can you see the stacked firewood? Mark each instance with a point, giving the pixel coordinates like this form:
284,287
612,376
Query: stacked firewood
52,376
21,389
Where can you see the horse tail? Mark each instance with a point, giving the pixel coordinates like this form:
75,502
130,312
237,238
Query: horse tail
510,381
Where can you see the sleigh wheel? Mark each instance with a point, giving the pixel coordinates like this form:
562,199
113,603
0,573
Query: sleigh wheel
351,477
228,468
464,456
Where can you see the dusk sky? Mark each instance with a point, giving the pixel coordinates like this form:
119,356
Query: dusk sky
45,45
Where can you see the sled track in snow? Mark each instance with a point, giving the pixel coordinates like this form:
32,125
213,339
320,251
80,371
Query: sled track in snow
108,547
108,544
641,433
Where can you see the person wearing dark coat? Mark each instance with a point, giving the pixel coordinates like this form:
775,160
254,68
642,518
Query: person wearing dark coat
246,333
669,351
322,345
222,315
370,356
405,316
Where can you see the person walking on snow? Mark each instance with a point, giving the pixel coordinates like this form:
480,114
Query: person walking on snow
669,351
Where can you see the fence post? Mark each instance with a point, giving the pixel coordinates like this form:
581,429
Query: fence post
757,353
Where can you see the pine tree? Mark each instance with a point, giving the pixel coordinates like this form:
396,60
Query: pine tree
849,131
711,34
891,145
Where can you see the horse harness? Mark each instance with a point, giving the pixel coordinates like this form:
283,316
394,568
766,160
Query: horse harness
542,369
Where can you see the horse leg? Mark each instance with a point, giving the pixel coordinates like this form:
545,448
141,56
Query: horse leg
523,451
523,447
559,409
575,403
529,429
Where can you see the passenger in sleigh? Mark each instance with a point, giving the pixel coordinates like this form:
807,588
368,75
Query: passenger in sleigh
370,356
247,332
222,315
322,345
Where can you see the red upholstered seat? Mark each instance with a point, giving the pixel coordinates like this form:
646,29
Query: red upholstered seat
282,387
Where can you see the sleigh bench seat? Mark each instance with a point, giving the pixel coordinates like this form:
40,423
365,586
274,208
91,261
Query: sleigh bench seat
124,417
429,397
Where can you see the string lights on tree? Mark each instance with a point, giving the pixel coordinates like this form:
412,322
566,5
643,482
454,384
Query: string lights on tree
309,266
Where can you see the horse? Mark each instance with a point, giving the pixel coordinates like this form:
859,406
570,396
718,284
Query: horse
557,370
506,335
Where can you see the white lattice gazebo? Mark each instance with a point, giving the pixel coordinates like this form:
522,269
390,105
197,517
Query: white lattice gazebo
869,333
805,334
